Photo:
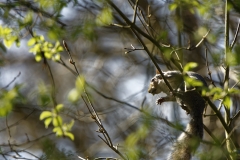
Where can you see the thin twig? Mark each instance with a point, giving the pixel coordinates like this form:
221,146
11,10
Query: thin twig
135,11
14,79
234,117
218,113
69,54
197,45
207,65
235,37
132,49
92,110
9,133
16,123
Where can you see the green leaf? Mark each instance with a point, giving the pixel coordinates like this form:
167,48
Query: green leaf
57,121
47,122
73,95
70,135
7,43
216,92
173,6
60,49
38,58
227,102
45,114
7,99
193,82
105,17
5,107
56,57
48,55
189,66
233,91
31,42
80,83
41,38
58,131
59,107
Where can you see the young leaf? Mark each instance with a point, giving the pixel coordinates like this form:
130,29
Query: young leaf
80,82
45,114
73,95
58,131
47,122
70,135
57,121
31,41
189,66
59,107
227,102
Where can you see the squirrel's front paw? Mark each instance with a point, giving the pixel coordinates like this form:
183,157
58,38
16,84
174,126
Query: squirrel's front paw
160,100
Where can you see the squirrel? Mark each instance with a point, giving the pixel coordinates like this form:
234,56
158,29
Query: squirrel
191,101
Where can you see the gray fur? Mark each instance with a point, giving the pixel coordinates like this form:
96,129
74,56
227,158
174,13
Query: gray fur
189,100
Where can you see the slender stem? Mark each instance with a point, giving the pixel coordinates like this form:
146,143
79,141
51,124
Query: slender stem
229,144
218,113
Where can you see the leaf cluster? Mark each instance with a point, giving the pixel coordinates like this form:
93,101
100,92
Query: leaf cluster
60,128
41,47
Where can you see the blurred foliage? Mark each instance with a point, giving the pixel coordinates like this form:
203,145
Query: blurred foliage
97,47
59,128
43,94
190,81
136,143
41,48
8,36
104,17
76,93
52,152
8,98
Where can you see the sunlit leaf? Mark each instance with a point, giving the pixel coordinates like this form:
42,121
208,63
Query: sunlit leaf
227,102
56,57
69,135
105,17
189,66
173,6
233,91
8,43
58,131
193,82
31,42
41,38
38,58
73,95
45,114
7,99
47,122
5,107
80,83
59,107
57,121
48,55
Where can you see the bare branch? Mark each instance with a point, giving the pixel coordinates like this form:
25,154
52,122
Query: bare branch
14,79
235,37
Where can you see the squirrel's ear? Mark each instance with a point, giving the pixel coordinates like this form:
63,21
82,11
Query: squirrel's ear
157,71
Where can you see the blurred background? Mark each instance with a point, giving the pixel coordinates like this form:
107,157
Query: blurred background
117,71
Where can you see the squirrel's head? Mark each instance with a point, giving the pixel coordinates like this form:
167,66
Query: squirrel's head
157,84
153,87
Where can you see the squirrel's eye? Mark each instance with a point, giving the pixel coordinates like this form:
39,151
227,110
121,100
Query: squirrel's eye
152,80
159,77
